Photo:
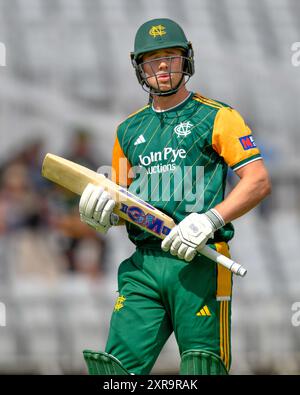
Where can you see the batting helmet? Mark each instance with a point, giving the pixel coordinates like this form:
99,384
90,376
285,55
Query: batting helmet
159,34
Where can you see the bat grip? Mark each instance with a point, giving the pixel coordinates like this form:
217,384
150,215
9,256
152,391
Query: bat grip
223,260
114,219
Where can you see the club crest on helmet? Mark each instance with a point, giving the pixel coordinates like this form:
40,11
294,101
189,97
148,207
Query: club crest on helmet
158,30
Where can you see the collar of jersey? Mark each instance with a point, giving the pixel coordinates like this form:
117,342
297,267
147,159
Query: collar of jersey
173,108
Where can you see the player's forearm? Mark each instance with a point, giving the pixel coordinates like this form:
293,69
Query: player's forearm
247,194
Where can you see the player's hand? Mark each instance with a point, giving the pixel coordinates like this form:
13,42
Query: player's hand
191,235
96,208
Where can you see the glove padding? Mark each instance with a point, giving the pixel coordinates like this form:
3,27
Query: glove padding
96,208
189,236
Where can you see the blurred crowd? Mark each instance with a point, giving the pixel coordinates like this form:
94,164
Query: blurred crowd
42,219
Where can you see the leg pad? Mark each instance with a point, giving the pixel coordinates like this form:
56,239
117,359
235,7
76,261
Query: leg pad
198,362
102,363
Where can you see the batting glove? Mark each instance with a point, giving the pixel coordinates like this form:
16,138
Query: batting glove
191,234
96,208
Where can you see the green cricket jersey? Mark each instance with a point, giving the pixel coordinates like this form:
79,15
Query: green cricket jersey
177,160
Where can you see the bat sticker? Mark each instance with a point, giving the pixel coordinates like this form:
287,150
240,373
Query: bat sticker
148,221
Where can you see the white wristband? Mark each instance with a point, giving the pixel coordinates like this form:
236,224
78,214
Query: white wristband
215,218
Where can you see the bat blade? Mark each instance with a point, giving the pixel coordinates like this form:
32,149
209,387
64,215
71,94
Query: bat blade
68,174
75,178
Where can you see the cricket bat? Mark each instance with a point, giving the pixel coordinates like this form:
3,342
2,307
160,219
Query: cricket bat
75,178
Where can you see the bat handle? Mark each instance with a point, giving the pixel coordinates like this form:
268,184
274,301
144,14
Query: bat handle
114,219
235,267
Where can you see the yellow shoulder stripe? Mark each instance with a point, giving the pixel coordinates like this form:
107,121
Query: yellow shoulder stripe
209,102
136,112
215,103
198,96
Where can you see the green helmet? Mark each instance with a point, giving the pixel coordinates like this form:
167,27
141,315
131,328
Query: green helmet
158,34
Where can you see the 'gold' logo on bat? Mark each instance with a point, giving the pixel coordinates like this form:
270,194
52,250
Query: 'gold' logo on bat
158,30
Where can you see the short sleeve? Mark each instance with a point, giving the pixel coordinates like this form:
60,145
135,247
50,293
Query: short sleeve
120,166
232,139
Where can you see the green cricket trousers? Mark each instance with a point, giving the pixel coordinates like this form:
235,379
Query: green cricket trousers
159,294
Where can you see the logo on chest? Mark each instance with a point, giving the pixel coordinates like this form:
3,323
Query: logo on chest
168,154
183,129
163,161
